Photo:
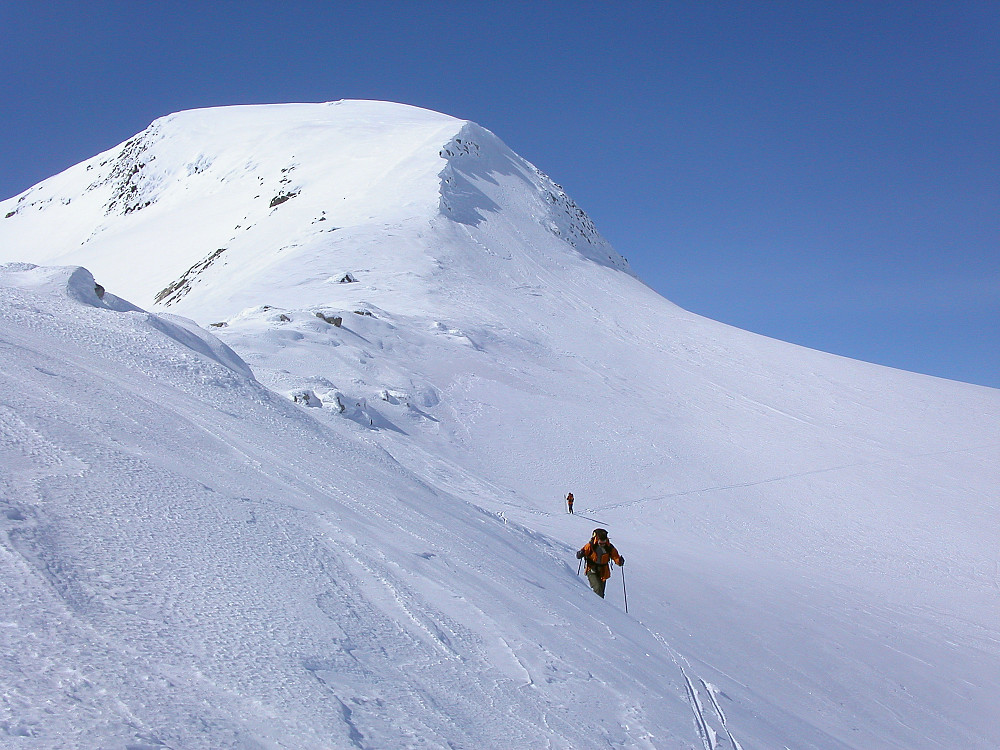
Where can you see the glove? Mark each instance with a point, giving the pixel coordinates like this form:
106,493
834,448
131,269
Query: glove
621,563
579,554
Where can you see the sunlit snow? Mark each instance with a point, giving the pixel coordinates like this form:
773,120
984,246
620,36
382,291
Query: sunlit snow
314,497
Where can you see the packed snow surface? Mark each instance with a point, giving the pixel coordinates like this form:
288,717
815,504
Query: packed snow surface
314,497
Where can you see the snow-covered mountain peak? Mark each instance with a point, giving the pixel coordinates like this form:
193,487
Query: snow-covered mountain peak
215,210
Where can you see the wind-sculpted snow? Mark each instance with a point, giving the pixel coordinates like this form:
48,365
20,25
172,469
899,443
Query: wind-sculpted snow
363,542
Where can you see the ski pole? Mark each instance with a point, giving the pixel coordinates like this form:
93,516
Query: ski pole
579,567
624,590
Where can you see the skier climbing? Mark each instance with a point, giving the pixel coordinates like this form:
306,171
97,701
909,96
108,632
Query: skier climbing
599,552
569,503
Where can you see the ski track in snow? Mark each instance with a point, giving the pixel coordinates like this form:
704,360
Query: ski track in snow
785,477
704,721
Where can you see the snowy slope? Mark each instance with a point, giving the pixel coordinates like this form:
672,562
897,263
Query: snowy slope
811,540
210,567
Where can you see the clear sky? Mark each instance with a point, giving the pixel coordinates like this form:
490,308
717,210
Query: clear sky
824,173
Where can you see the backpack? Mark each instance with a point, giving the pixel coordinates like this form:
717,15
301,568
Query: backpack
602,553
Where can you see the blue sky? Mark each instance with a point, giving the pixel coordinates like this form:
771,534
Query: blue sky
824,173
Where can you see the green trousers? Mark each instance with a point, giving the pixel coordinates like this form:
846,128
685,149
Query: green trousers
596,583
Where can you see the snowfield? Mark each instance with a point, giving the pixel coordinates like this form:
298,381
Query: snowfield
314,497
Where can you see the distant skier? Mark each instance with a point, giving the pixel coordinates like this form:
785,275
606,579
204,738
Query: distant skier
599,552
569,502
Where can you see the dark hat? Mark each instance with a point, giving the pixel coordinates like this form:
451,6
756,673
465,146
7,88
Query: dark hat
601,533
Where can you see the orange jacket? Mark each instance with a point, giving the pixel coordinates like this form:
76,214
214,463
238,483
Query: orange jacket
599,563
